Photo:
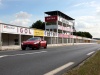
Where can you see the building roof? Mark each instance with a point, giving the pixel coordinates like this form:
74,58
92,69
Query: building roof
59,13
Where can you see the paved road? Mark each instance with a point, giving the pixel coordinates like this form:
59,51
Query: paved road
50,61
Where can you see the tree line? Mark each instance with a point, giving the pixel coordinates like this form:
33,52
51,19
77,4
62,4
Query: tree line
83,34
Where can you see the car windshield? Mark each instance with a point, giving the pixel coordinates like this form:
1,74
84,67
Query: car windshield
32,39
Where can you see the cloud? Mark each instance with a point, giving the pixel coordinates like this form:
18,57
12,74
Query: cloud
92,3
0,2
23,15
21,22
22,19
90,24
80,4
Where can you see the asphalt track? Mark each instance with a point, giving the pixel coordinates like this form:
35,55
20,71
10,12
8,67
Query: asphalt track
50,61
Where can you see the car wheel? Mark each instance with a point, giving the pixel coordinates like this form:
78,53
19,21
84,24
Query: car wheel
32,48
23,48
38,46
45,46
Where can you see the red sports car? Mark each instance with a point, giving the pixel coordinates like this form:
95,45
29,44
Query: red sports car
34,42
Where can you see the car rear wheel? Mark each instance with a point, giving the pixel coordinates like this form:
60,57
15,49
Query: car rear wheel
23,48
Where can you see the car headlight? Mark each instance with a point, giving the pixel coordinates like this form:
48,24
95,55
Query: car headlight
36,42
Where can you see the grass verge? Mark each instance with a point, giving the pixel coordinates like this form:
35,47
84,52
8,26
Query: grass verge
90,67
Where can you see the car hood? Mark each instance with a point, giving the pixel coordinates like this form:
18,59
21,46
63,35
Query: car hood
28,42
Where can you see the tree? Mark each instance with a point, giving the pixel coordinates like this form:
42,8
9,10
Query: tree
39,25
83,34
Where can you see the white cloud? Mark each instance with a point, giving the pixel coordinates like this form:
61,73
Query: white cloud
22,19
92,3
80,4
90,23
0,2
21,22
23,15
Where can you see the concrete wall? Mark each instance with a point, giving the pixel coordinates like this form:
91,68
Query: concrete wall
48,39
64,40
13,39
59,40
54,40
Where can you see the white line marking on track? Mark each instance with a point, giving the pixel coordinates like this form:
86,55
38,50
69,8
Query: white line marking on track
23,54
53,72
3,56
91,53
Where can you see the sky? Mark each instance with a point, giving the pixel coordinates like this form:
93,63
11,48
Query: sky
25,12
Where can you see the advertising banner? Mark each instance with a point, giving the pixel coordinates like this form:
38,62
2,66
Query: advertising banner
59,27
60,35
48,33
71,36
9,29
66,36
70,23
50,18
54,34
74,36
45,33
25,31
38,32
0,27
51,34
62,20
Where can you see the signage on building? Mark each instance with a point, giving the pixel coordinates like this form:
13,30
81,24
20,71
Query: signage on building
50,18
25,31
74,36
51,34
48,33
9,29
62,20
66,36
60,27
70,23
0,27
54,34
38,32
45,33
63,35
60,35
71,36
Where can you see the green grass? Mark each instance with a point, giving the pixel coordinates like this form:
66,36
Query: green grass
90,67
